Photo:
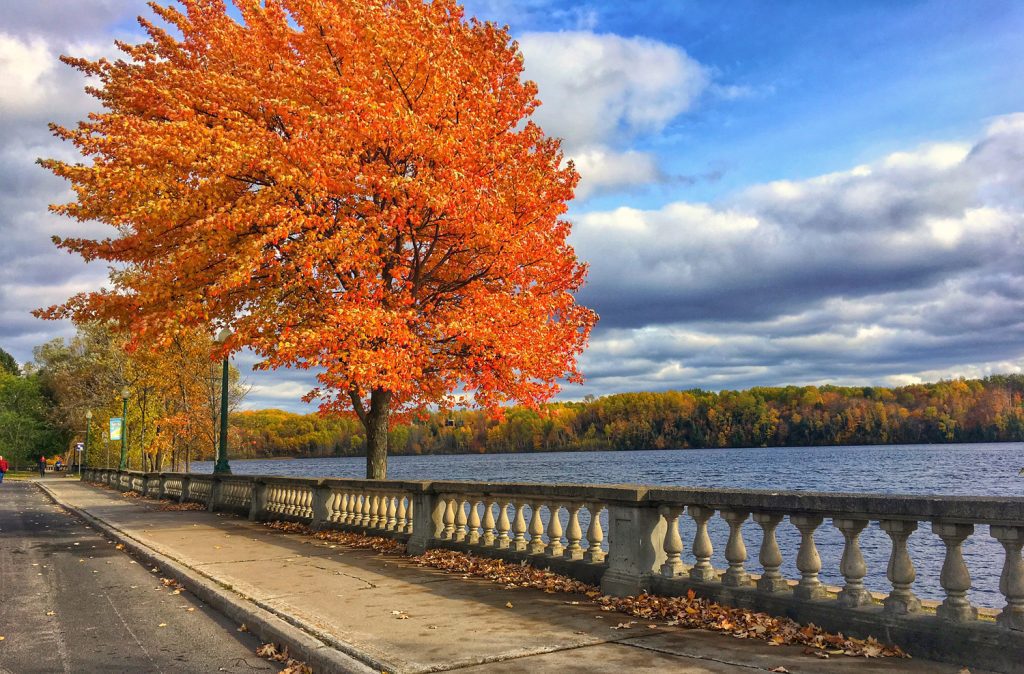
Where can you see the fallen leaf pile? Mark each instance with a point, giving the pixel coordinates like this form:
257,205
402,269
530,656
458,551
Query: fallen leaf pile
693,612
346,538
131,494
182,506
509,574
292,666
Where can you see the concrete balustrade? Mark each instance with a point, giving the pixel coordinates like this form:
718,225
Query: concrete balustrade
562,527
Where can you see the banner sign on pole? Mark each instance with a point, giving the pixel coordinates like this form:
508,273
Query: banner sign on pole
115,427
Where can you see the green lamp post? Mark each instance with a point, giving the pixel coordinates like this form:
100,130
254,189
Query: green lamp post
222,467
85,454
124,429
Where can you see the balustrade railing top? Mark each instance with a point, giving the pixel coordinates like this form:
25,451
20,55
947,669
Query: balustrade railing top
629,539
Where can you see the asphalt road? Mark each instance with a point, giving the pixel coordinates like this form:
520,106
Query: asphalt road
70,601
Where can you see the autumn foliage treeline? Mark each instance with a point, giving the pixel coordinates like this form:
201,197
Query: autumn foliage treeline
990,409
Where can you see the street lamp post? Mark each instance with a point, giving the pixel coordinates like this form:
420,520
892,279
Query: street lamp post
85,454
222,467
124,429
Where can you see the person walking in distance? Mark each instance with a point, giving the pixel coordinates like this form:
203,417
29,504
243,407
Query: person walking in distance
4,467
42,466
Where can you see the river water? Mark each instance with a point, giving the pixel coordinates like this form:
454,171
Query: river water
959,470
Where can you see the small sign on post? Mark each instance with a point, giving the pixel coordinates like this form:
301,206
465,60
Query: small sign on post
116,423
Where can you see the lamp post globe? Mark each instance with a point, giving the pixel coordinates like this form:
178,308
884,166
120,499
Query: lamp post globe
123,465
221,467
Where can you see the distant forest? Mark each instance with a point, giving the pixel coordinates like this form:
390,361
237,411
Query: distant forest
985,410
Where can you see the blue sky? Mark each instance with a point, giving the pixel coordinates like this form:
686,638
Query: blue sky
773,193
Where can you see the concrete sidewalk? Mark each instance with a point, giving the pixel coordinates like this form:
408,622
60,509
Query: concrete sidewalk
392,615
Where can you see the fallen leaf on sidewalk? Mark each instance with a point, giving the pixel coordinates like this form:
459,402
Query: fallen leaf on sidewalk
508,605
119,546
780,669
162,625
51,613
243,628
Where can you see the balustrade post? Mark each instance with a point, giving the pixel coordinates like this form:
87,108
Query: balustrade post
460,519
503,540
901,568
536,529
1011,580
259,501
769,554
595,535
554,547
735,549
636,550
852,564
473,537
808,562
488,523
186,483
955,577
673,565
392,516
573,533
702,548
428,510
401,515
518,542
162,493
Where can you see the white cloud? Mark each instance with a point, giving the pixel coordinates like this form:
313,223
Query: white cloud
24,69
597,87
600,167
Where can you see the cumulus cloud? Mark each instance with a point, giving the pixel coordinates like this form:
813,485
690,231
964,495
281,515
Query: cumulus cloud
910,266
597,87
602,91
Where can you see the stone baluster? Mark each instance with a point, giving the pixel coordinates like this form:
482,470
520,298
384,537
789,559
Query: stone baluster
375,500
504,526
573,533
392,521
702,549
410,513
1011,580
852,564
595,535
355,509
554,547
365,516
401,513
901,568
673,565
473,537
449,518
536,529
955,577
307,503
460,519
341,517
519,528
735,549
808,562
769,555
382,511
488,524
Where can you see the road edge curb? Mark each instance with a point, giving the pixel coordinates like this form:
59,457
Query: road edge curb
320,654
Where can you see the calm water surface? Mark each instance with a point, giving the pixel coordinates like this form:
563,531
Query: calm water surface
959,470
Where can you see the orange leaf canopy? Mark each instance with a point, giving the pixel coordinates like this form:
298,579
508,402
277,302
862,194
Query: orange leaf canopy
352,185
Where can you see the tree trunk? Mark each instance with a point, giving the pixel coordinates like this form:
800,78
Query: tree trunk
375,421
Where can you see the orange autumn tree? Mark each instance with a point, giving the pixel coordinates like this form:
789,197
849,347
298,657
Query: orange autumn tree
350,185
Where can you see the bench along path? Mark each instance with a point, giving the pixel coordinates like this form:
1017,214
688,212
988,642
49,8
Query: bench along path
72,602
396,616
